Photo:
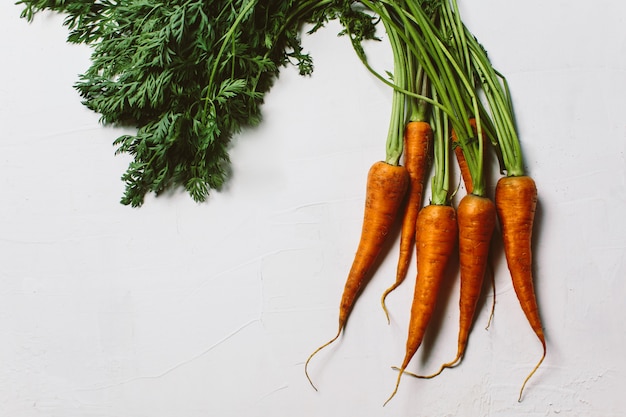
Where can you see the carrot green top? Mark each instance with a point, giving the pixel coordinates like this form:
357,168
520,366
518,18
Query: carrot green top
436,42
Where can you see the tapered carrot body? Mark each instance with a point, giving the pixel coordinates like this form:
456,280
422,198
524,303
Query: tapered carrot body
385,191
436,238
418,136
516,202
477,220
469,187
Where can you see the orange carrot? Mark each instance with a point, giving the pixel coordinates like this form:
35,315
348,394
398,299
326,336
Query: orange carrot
436,238
417,138
516,201
477,220
469,187
385,191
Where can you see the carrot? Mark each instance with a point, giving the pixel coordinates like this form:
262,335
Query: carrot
469,187
436,238
385,191
516,201
417,138
477,220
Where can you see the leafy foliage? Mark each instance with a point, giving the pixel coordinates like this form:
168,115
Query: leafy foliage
188,75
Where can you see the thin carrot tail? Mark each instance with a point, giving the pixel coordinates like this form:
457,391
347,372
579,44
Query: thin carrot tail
456,361
401,274
401,369
403,266
395,390
306,364
402,269
453,363
543,356
384,296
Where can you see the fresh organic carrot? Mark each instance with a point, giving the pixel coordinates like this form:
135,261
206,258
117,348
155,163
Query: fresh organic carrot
417,138
436,238
477,219
385,191
469,187
516,201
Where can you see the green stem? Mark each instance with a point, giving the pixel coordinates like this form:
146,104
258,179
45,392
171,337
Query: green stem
396,87
420,107
416,47
473,150
395,144
502,112
440,181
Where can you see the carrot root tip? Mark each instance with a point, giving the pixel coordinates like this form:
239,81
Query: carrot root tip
395,390
384,305
306,364
521,391
451,364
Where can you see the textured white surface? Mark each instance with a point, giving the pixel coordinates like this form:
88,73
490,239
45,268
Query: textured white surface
180,309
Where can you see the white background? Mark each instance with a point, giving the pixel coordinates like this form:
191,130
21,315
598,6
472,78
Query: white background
180,309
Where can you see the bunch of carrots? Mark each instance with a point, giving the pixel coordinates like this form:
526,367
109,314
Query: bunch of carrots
447,99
